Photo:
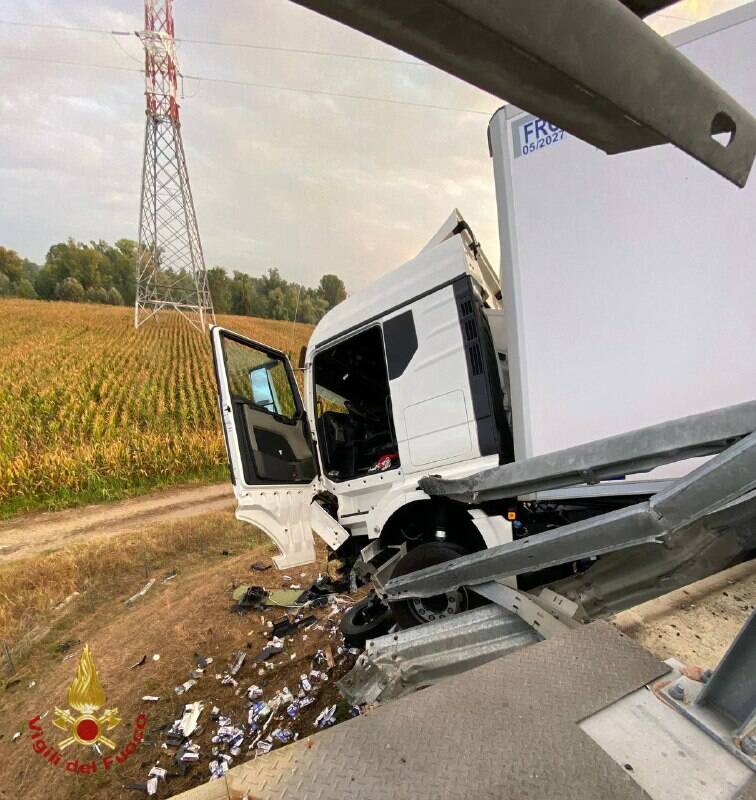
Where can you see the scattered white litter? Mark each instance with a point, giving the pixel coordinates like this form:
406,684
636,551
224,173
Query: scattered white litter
191,716
142,592
151,698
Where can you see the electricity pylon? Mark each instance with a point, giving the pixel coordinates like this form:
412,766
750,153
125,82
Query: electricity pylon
170,268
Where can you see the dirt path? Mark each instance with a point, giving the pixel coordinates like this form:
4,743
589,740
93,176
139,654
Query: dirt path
36,533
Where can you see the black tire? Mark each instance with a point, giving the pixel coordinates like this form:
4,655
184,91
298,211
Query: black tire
365,620
416,611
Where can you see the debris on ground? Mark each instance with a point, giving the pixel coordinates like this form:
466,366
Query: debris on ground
142,592
142,661
260,566
263,701
285,598
249,597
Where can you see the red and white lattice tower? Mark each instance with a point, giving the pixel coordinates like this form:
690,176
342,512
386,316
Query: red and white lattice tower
170,270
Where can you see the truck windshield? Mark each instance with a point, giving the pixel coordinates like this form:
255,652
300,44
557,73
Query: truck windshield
353,408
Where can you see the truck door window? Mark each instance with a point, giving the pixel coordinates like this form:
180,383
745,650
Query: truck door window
353,408
259,379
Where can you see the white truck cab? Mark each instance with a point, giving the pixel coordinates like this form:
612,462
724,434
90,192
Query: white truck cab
403,379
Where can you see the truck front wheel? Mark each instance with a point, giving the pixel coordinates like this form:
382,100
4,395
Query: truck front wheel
418,610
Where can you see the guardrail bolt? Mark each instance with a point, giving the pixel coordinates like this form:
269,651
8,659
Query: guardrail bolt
676,692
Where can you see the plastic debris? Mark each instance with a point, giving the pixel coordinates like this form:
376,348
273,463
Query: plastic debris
287,625
150,698
273,648
16,735
254,692
141,593
157,772
260,566
218,769
156,657
142,660
249,597
326,718
238,659
286,598
185,687
190,718
283,735
265,745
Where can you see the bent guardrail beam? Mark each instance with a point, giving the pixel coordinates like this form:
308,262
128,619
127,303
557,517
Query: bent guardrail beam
627,453
705,490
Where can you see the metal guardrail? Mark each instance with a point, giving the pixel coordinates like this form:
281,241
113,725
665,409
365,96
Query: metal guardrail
706,490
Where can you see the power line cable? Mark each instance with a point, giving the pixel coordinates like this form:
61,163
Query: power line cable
254,85
219,43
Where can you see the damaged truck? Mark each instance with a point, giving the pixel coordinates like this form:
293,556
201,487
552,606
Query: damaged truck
411,446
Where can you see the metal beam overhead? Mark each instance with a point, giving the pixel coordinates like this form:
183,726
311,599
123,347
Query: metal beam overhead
590,66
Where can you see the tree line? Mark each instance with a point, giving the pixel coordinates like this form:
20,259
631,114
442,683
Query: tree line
99,272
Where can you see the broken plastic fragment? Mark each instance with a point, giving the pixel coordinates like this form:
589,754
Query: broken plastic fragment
142,592
150,698
264,746
190,718
254,692
326,718
185,687
238,659
282,735
152,785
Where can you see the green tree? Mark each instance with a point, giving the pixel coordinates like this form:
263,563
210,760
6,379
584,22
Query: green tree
114,297
332,289
96,294
11,265
5,285
25,289
220,286
70,289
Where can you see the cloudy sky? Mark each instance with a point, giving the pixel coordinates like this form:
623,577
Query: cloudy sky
304,181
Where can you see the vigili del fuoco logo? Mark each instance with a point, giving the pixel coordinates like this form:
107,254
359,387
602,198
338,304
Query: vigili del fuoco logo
83,725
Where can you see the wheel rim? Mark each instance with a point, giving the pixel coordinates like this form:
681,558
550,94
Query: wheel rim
439,606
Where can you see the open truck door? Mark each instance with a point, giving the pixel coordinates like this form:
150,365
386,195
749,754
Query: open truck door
269,447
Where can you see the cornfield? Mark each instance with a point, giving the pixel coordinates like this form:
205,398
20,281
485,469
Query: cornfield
91,409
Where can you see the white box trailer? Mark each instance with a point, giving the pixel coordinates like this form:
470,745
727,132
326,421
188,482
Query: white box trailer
631,279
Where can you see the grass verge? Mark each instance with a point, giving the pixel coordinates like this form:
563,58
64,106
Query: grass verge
99,569
105,489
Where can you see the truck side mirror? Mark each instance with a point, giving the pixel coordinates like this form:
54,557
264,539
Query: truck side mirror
302,355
